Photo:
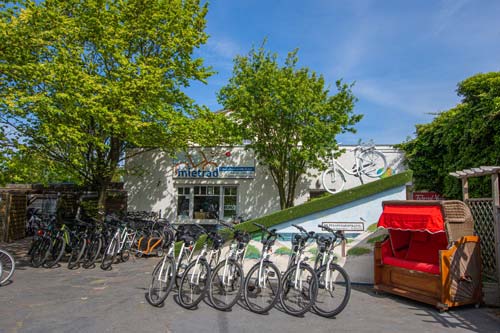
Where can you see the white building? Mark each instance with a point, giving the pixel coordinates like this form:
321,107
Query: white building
222,182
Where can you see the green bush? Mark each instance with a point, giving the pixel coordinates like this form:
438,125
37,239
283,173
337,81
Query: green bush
252,252
358,251
283,251
372,227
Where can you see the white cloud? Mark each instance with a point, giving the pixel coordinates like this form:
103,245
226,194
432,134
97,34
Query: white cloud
224,47
413,98
445,16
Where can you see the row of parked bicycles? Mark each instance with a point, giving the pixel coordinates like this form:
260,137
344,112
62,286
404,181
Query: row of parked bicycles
324,287
85,243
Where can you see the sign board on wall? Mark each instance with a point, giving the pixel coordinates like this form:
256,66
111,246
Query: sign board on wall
216,162
345,226
427,196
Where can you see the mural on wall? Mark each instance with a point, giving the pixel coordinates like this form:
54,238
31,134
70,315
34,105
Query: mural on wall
216,162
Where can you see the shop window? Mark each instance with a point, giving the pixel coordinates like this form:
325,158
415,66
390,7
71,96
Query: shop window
208,202
183,198
230,202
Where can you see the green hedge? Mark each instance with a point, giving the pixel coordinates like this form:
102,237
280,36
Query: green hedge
318,205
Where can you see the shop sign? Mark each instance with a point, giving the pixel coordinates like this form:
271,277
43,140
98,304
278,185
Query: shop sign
217,162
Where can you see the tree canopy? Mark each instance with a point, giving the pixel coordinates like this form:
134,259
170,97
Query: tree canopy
288,114
465,136
81,82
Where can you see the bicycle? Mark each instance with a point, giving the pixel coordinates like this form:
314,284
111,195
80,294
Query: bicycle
195,279
169,267
334,284
263,282
227,277
7,266
368,162
120,243
300,284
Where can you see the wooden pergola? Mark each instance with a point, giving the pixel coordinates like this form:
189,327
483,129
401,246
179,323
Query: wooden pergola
493,172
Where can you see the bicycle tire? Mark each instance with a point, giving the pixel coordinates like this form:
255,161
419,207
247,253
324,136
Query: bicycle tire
8,266
305,298
55,251
250,290
333,180
196,292
320,306
77,253
92,252
165,267
39,250
377,163
217,284
109,254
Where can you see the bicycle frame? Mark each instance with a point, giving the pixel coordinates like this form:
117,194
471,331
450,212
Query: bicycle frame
195,278
265,256
357,152
327,260
233,254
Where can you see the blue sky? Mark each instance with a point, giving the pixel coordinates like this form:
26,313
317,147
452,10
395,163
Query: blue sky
405,57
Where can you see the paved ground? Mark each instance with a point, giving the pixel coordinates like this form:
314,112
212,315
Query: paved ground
60,300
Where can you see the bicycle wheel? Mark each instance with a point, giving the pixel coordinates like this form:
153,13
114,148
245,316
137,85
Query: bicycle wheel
55,252
261,296
77,250
373,163
162,281
225,285
334,290
194,284
333,180
92,252
39,249
298,290
110,254
8,266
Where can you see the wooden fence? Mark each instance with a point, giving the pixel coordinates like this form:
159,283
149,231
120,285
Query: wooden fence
12,216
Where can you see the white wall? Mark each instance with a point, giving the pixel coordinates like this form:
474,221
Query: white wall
368,209
152,187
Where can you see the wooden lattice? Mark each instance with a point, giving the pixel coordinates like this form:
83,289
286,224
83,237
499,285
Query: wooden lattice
482,211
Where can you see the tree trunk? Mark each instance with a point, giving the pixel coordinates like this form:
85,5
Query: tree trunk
101,200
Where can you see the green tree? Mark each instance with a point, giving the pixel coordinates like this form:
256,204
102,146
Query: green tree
465,136
81,82
288,114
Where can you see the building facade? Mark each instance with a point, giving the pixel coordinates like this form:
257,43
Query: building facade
205,184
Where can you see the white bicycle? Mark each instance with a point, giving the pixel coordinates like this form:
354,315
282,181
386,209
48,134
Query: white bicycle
368,162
